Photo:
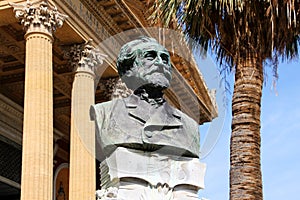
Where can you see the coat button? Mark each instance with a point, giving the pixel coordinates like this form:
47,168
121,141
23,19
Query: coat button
148,134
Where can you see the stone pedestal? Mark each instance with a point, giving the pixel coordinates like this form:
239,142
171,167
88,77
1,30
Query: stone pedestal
138,175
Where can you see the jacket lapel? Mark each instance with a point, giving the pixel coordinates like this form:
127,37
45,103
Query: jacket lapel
163,116
137,109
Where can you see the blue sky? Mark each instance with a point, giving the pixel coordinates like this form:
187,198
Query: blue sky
280,132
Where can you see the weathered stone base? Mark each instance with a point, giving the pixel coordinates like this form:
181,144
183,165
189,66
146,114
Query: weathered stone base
138,175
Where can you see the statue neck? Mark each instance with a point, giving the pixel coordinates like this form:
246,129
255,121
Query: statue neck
153,96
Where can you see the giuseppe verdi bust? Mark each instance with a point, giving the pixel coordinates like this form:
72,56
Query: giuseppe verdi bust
144,120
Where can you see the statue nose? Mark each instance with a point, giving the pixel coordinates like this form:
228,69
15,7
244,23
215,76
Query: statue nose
159,60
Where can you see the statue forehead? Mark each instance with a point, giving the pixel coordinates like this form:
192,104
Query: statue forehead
153,46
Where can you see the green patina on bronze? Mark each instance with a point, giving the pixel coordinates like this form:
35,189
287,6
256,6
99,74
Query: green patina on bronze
144,120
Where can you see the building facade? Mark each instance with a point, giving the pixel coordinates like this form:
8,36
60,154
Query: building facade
56,59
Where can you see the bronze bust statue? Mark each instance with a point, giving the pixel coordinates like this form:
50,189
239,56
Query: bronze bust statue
144,120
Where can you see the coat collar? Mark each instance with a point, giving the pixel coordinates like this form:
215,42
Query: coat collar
164,115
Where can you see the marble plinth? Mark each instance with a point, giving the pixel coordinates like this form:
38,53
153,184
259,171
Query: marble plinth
138,175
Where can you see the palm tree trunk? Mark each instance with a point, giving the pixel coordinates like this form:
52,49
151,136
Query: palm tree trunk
245,169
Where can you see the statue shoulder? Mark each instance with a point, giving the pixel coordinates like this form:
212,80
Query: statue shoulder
103,108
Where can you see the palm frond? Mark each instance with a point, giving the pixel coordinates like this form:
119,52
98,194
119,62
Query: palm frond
230,28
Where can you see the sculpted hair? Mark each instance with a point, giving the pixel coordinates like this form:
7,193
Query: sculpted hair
128,54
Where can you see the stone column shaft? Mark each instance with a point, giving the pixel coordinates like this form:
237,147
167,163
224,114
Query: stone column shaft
82,137
39,19
82,152
37,158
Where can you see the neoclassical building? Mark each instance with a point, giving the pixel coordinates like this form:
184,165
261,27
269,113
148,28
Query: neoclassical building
56,59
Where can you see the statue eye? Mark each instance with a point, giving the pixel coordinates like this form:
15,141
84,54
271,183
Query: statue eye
165,58
150,55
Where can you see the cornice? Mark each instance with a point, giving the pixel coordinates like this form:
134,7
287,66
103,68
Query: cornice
10,108
83,28
99,11
101,26
11,133
126,10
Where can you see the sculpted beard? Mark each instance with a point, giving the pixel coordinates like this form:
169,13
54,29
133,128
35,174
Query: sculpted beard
139,76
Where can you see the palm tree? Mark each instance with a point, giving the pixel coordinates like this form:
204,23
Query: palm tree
244,34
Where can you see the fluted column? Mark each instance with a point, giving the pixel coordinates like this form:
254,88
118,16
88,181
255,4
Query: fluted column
40,20
82,180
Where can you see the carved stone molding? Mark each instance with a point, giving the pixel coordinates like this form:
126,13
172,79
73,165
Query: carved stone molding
11,120
7,107
11,132
90,60
158,192
107,194
40,16
109,85
74,54
11,116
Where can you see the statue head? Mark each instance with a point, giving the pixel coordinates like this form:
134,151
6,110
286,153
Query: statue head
144,62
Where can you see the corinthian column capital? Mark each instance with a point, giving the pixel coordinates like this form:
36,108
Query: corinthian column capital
91,59
38,16
115,89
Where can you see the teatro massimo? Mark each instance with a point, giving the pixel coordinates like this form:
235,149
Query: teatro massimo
56,59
